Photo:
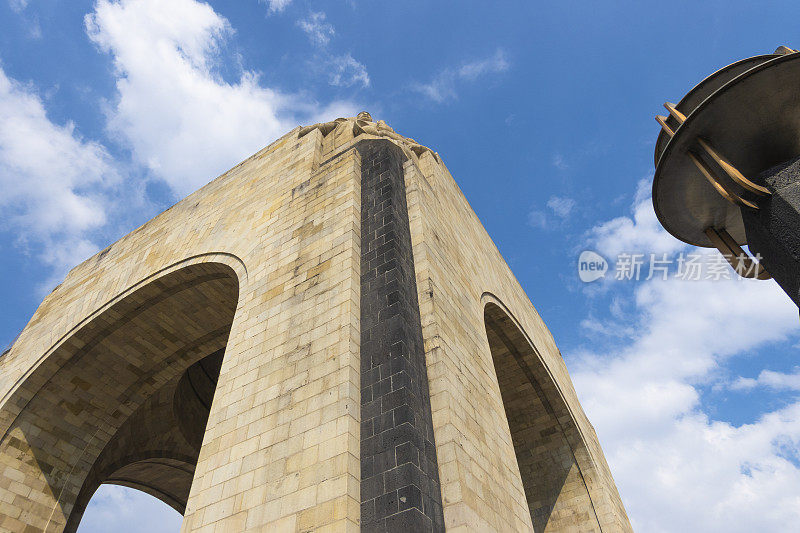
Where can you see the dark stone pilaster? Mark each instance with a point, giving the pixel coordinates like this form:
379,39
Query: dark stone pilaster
399,473
773,231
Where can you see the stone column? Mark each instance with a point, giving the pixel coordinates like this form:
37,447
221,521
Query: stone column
399,473
773,231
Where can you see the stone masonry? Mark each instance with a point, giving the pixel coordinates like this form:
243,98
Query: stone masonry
324,338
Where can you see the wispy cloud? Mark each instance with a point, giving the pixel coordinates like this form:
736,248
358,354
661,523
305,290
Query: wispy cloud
30,20
346,71
475,69
18,6
770,380
537,219
443,86
318,30
639,232
276,6
562,206
560,162
558,209
343,70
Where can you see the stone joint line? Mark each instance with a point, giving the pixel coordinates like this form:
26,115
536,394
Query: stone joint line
399,472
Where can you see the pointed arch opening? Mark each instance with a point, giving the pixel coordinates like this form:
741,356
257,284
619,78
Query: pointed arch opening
125,399
542,430
116,508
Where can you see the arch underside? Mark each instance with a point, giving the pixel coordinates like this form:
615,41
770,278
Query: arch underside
169,480
156,449
124,400
542,431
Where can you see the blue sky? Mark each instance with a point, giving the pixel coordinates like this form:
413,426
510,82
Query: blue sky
111,111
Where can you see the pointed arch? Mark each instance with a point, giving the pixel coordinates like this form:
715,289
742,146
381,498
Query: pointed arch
546,441
125,397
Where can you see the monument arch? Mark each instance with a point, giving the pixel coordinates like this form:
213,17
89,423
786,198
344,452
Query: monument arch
108,404
539,423
337,382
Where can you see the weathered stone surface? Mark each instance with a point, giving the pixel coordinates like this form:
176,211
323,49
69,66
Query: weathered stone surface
399,474
429,347
772,229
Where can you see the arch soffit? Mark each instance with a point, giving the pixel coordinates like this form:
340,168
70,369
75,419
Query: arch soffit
231,261
488,298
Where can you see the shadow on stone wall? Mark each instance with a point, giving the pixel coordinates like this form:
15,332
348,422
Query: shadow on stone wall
557,497
115,402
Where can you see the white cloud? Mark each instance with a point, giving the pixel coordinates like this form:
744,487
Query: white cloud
318,30
18,6
125,510
177,115
180,118
55,184
34,29
343,70
276,6
442,87
561,205
771,380
560,162
32,22
641,233
474,69
537,219
676,468
346,71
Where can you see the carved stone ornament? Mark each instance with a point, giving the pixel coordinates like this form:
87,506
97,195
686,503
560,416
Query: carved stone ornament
363,123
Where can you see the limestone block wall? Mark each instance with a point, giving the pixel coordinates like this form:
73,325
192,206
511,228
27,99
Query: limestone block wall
459,270
281,447
282,264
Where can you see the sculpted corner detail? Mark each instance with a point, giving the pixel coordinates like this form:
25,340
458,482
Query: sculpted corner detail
363,124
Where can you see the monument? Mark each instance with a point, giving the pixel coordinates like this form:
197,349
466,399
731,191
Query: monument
728,167
324,338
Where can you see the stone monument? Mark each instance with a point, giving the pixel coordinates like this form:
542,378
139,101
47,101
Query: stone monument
324,338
